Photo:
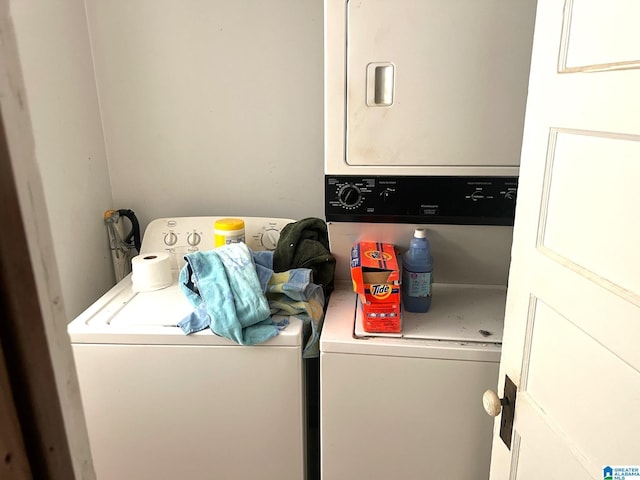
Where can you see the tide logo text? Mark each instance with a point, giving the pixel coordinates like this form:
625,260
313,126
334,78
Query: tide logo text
381,291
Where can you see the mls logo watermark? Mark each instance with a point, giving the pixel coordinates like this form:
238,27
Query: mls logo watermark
621,472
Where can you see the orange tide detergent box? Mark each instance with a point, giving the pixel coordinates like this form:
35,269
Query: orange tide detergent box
376,280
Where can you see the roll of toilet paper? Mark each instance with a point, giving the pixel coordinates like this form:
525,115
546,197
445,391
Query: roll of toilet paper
151,271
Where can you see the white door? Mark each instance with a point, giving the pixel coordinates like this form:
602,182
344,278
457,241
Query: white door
572,328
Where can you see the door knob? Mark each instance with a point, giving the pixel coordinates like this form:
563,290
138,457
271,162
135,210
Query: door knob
492,403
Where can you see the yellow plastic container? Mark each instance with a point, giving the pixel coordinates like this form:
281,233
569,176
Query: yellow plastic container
228,230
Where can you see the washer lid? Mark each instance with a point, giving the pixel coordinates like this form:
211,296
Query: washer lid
424,335
162,308
458,313
124,316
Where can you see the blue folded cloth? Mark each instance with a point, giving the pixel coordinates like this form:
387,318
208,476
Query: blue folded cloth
263,261
293,293
223,286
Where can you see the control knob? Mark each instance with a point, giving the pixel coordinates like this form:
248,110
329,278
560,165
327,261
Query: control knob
388,196
170,239
510,195
350,196
193,238
269,239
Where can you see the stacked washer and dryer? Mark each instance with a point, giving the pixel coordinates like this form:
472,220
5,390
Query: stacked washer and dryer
424,114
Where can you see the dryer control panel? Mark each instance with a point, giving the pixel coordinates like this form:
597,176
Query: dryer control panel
421,199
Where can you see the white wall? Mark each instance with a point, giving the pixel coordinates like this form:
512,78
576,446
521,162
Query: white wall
211,107
58,141
55,57
208,107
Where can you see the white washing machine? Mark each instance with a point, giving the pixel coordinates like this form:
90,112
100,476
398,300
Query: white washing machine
409,406
163,405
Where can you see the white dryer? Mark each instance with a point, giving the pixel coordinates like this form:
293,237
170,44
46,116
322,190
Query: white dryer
409,406
162,405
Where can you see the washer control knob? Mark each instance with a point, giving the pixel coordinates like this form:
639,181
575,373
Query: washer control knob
170,239
269,239
350,196
193,238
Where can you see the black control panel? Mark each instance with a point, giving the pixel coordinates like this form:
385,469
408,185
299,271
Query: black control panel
420,199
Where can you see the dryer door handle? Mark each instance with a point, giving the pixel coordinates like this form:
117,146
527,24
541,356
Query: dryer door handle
380,84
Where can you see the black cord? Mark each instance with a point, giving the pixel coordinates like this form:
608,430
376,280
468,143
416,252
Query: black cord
135,228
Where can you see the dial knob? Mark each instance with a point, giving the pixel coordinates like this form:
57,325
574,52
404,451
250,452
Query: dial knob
350,196
477,195
269,239
388,195
193,238
170,239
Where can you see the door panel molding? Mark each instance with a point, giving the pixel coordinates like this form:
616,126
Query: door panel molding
570,238
548,445
580,31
